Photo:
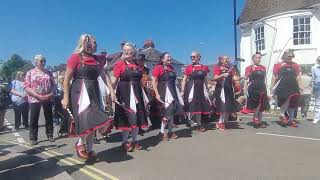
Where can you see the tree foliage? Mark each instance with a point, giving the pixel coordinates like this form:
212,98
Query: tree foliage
16,63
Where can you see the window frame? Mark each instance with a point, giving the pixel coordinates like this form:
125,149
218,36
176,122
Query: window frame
259,38
300,35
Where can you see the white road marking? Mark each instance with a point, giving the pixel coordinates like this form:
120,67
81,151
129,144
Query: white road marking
21,140
25,165
16,134
296,137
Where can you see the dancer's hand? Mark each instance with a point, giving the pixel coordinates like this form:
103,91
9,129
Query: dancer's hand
65,103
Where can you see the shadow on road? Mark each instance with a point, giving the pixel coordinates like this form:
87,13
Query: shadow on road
26,165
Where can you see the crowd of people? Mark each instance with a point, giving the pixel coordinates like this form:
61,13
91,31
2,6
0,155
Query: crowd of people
80,96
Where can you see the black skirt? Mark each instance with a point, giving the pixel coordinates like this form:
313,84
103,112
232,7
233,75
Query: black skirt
124,119
230,104
199,104
257,95
93,117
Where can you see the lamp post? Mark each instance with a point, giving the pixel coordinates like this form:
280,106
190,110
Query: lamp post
235,29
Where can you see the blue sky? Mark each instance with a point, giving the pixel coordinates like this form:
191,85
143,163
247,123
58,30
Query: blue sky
52,28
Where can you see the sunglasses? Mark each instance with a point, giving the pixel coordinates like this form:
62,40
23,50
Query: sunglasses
195,57
43,61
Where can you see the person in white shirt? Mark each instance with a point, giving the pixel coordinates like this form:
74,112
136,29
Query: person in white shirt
315,71
19,101
307,89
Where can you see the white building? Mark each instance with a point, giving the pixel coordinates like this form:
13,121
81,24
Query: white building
272,26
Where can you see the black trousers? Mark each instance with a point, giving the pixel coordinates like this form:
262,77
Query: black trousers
34,118
21,110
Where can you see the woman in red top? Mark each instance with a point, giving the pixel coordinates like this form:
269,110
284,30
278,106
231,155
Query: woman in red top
286,83
166,91
84,68
194,89
256,90
225,98
130,114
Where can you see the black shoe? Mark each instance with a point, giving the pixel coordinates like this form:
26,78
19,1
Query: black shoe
141,132
51,139
33,142
26,127
188,124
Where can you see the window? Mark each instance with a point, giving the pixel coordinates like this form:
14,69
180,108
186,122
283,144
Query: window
301,31
259,40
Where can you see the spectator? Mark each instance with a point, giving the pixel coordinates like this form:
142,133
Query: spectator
5,101
39,84
59,113
19,101
315,70
306,83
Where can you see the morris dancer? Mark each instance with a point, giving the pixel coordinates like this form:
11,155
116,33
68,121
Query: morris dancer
164,85
195,90
84,68
130,112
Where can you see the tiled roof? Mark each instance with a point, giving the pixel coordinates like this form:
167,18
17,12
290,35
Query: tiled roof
154,55
257,9
150,53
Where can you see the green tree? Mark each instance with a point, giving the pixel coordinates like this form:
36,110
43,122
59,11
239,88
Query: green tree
14,64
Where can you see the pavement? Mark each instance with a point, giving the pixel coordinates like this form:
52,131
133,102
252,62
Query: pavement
241,153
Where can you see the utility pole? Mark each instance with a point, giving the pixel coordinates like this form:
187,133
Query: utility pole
235,29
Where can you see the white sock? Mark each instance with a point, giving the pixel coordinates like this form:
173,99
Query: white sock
134,133
125,135
89,142
221,119
260,116
226,116
170,124
256,113
291,114
163,126
198,119
284,107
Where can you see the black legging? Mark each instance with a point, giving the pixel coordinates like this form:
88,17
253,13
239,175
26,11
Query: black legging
21,110
34,118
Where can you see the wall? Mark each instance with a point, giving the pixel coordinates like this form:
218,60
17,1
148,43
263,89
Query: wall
278,32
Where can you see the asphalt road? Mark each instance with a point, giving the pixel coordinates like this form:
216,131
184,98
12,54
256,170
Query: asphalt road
244,153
